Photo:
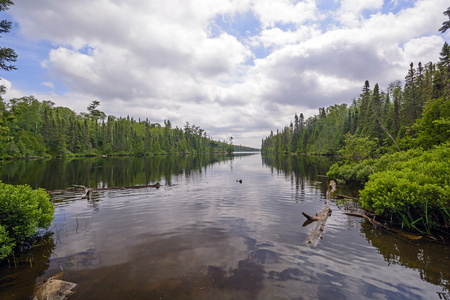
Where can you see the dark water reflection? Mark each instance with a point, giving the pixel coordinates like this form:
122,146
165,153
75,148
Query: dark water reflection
101,172
207,236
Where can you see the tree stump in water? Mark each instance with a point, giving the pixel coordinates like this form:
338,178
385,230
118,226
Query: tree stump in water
320,218
332,186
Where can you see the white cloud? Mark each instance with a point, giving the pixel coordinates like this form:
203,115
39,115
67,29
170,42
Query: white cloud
357,6
423,49
48,84
350,12
272,12
162,60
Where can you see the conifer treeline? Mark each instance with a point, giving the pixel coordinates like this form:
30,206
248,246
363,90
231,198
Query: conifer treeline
414,115
30,128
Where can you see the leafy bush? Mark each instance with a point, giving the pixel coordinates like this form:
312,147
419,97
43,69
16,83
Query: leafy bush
410,187
353,172
357,148
434,126
22,212
409,197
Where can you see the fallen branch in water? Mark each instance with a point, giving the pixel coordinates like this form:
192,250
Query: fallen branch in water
378,225
320,218
86,190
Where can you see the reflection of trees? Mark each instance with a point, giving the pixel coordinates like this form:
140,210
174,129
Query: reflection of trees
300,168
431,260
103,171
18,274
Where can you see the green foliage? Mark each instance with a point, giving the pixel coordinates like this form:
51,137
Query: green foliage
409,187
434,127
417,116
352,173
7,55
358,148
30,128
22,212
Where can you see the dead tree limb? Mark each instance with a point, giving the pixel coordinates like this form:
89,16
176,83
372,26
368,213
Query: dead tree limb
157,185
378,225
320,218
86,190
375,224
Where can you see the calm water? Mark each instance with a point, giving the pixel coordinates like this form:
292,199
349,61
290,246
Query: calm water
203,235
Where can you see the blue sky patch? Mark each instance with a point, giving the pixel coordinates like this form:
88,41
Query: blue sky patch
240,25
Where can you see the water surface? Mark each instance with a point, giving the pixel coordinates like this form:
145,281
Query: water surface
204,235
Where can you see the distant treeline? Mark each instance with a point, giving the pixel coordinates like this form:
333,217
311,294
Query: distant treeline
416,114
30,128
244,149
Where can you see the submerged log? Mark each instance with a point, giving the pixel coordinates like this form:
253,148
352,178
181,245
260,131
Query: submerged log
320,218
86,191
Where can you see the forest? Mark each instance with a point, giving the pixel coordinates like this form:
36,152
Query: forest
33,128
407,116
395,146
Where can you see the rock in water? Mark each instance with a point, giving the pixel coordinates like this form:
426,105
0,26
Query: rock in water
55,289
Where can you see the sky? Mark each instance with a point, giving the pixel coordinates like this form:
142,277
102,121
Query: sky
237,68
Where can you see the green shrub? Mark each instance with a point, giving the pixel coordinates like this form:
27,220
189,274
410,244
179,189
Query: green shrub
22,212
358,148
410,187
409,197
352,172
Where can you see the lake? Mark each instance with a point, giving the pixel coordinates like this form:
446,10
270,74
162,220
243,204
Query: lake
205,235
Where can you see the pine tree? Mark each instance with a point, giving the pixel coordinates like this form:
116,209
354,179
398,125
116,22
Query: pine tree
446,24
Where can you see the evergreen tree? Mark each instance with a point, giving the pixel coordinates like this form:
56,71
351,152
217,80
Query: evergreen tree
446,24
7,55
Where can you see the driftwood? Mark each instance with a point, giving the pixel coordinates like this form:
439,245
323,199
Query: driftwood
378,225
375,224
86,191
320,218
